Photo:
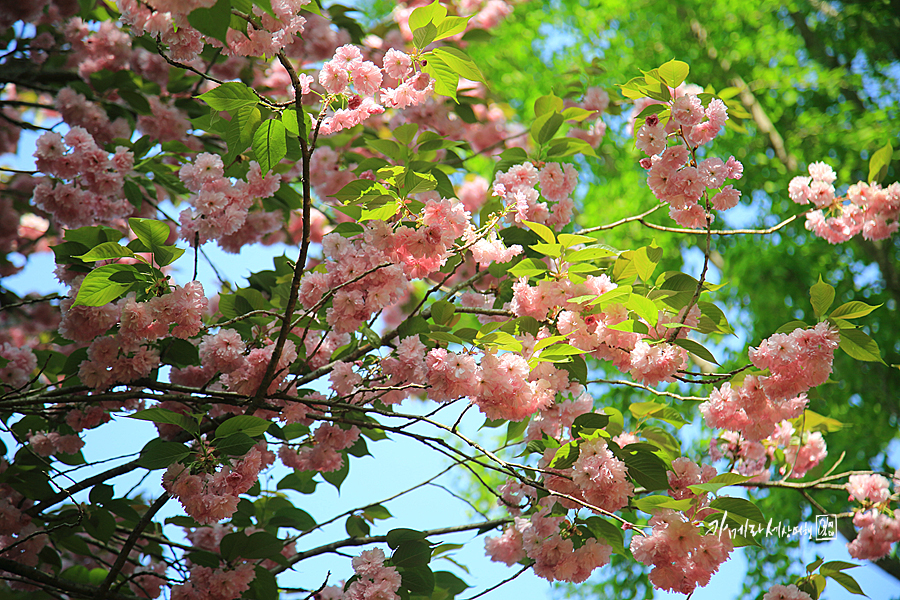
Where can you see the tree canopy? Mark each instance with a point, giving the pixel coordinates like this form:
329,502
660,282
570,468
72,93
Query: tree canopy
652,245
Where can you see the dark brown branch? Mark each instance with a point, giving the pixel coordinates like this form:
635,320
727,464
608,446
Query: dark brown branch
103,590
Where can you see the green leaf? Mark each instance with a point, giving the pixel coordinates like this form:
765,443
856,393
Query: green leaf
878,164
98,289
431,13
515,429
377,512
446,580
106,251
294,518
213,21
451,26
544,232
261,544
558,353
837,565
159,454
588,422
847,582
571,239
604,530
395,537
696,349
229,96
852,310
791,326
264,586
336,478
303,482
645,468
574,113
446,79
821,295
411,553
739,509
269,144
239,134
565,456
656,411
674,72
813,421
548,104
236,444
644,307
718,482
460,63
545,127
442,311
652,504
424,35
860,346
418,580
356,526
250,425
152,233
528,267
645,261
162,415
166,255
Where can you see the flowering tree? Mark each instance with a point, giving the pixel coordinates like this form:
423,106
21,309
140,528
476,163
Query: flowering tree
436,257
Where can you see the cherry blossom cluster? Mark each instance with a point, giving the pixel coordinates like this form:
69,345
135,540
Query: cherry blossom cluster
879,526
796,361
46,444
324,454
206,583
78,111
95,195
224,353
106,48
786,592
502,385
552,546
686,473
265,34
872,489
211,497
374,580
675,175
129,354
645,356
365,274
18,371
221,207
877,531
681,556
867,208
18,541
516,188
752,458
556,419
597,478
405,368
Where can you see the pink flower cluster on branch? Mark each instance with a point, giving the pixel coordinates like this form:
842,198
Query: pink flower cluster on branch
866,208
675,175
95,194
558,554
796,362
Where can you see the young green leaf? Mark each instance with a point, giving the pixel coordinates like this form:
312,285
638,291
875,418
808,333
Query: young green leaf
821,296
269,144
